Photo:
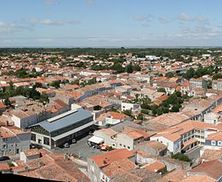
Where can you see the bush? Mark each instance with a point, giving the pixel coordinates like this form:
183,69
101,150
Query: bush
181,157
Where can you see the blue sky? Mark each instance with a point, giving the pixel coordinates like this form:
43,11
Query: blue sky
110,23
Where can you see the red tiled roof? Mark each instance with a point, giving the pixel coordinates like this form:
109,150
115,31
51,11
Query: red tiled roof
109,157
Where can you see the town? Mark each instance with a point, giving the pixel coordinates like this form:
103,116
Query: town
100,115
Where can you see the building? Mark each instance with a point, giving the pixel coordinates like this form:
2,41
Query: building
152,147
214,141
185,136
63,128
13,140
217,84
128,138
29,155
197,83
104,167
211,169
212,118
130,106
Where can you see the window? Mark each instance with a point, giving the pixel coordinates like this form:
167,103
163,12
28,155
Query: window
46,141
33,137
124,146
120,144
17,151
219,143
114,144
128,147
213,142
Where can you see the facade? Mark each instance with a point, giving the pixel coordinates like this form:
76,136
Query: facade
197,83
104,167
217,84
22,119
130,106
13,141
214,141
29,154
212,118
125,139
63,128
184,136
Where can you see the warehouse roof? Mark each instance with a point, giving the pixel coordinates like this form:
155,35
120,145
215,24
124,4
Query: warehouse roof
64,120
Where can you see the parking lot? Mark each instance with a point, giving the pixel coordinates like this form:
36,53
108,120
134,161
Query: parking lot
81,149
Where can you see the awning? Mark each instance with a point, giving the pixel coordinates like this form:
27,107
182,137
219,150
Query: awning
95,139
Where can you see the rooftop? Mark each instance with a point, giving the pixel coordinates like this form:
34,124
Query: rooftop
64,120
109,157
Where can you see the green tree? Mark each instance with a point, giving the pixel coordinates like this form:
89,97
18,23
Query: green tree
140,117
129,68
169,74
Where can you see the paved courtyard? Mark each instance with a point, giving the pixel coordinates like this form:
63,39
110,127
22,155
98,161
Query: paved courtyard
81,149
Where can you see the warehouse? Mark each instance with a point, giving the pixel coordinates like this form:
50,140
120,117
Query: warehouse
63,128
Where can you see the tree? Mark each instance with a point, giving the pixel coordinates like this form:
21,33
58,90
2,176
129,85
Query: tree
117,67
129,68
181,157
7,102
169,74
140,117
161,90
55,84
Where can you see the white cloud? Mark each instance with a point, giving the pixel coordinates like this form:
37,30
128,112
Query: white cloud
163,19
12,27
183,17
53,22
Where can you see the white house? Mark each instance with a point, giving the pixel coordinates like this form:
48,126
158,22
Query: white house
130,106
211,117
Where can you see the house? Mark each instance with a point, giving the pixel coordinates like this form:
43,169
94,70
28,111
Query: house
24,118
212,169
197,83
217,84
184,136
128,138
154,148
104,167
63,128
214,141
29,154
212,118
156,167
130,106
113,118
13,140
50,166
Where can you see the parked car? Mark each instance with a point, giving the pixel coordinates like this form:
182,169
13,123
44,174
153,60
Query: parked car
4,158
66,145
74,140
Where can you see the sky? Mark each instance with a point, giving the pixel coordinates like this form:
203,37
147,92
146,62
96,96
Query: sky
110,23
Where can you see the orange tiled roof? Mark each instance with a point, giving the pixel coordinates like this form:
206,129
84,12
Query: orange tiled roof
109,157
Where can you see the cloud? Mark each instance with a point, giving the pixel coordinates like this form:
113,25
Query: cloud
12,27
53,22
183,17
164,20
144,20
200,31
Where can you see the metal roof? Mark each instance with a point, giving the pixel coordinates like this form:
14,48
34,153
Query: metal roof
67,120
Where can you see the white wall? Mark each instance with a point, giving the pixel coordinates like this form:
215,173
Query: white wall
173,147
130,106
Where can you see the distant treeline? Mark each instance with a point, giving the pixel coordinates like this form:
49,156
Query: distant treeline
105,52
